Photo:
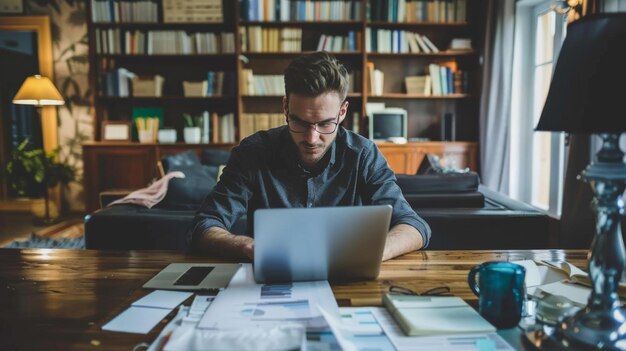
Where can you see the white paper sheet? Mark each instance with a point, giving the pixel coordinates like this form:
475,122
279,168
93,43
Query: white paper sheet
460,342
334,324
136,320
577,293
146,312
163,299
246,304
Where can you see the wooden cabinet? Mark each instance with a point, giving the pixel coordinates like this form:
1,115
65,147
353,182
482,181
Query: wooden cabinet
406,158
128,166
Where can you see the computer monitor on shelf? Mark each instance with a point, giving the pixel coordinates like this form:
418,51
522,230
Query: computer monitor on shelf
388,123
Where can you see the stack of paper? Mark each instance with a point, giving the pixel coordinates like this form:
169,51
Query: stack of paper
425,315
246,304
146,312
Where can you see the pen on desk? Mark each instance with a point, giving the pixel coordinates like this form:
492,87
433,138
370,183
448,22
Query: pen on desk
164,341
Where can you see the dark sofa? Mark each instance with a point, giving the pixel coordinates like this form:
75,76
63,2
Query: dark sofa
462,214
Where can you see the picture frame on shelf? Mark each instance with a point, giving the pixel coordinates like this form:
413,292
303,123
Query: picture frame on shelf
116,131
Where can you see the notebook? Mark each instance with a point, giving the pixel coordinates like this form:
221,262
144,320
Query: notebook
433,315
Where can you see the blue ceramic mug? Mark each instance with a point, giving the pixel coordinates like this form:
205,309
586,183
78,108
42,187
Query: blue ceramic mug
501,292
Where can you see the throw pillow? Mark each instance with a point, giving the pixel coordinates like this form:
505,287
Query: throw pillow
189,192
215,157
188,158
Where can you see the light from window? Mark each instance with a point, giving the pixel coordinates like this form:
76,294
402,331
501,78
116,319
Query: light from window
541,160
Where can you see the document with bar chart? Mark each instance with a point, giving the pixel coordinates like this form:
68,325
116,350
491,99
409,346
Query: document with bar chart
245,304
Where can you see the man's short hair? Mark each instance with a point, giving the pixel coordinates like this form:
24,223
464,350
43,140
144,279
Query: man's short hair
315,74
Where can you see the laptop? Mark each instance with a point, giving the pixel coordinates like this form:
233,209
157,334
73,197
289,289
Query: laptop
321,243
206,277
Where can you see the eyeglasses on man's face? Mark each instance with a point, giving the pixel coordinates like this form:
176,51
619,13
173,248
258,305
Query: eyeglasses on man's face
296,125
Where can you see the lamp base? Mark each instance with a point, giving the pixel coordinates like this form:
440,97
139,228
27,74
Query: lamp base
594,329
586,330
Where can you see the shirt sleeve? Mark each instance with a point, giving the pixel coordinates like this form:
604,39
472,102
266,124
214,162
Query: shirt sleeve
229,199
380,188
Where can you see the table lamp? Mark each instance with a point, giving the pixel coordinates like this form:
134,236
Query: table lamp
39,91
587,96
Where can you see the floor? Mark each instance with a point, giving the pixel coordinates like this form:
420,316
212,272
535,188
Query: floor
14,226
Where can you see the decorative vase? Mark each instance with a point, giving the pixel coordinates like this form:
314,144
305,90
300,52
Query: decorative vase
167,136
192,135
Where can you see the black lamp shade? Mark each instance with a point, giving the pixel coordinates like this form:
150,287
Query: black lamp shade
588,91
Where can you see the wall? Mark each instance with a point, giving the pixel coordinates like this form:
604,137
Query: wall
71,69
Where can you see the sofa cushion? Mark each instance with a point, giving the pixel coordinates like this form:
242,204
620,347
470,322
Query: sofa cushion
215,157
189,192
444,183
183,159
452,200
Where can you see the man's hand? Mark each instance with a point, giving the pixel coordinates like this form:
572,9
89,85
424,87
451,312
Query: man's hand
248,249
220,242
401,239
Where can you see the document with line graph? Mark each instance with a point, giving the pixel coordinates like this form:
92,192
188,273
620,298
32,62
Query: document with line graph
245,304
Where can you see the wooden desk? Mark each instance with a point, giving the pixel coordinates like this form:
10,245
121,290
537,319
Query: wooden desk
59,299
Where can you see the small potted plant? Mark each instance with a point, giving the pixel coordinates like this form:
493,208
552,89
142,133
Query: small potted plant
192,133
31,173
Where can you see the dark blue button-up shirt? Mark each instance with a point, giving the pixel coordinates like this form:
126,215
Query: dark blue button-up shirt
264,172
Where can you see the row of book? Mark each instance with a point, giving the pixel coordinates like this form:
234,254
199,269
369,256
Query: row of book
417,10
254,122
116,82
128,42
221,128
354,80
445,79
376,80
210,11
300,10
115,11
258,39
335,43
192,11
397,41
251,84
216,84
121,82
214,128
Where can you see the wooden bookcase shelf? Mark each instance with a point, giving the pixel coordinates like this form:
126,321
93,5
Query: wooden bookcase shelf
301,24
415,24
424,112
447,54
338,54
166,57
418,96
138,99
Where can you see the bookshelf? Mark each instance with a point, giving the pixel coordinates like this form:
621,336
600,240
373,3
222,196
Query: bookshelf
246,33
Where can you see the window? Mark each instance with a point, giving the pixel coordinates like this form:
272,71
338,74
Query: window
537,158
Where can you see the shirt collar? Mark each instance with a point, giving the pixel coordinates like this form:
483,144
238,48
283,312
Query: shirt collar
289,154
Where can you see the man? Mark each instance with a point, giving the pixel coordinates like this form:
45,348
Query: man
311,162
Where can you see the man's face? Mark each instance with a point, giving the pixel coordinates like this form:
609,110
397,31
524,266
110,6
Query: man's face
322,109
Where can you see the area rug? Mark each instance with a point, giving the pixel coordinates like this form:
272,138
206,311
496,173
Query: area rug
68,234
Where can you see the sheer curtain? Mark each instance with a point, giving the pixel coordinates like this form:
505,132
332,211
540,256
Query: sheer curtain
495,104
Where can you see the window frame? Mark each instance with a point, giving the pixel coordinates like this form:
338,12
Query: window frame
528,12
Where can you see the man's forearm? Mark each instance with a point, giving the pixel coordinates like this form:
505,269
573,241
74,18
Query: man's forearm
220,242
401,239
